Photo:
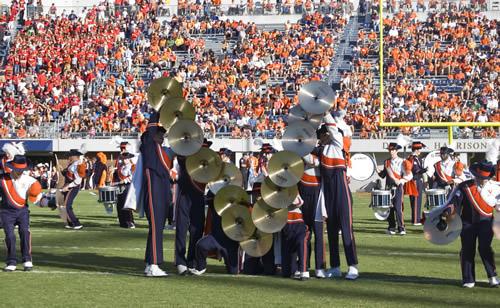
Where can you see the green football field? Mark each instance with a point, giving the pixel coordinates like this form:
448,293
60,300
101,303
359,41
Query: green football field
102,265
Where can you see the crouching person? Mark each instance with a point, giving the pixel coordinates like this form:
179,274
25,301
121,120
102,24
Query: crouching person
294,243
17,188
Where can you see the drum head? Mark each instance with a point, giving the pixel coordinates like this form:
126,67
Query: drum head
362,168
381,214
429,161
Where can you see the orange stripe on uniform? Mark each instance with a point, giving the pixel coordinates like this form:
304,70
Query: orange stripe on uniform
11,193
152,213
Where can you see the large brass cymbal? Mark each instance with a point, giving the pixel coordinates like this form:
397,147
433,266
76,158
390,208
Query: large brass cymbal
441,231
162,89
174,109
204,166
285,168
185,137
237,223
229,196
268,219
316,97
230,175
258,244
276,196
296,113
299,137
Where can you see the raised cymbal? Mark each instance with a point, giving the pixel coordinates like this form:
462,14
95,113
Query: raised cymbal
174,109
237,223
161,89
296,113
185,137
316,97
285,168
230,175
299,137
204,166
441,232
258,244
229,196
268,219
276,196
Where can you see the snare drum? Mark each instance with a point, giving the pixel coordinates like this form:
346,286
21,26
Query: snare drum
109,196
48,200
381,203
435,198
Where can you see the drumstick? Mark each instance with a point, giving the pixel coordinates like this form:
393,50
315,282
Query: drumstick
49,175
375,162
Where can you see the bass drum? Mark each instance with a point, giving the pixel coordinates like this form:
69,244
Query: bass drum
429,161
362,167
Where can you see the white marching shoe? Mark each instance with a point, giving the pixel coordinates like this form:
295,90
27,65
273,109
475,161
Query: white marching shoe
146,270
196,272
469,285
320,273
9,268
182,269
352,273
334,273
304,275
493,281
28,266
155,271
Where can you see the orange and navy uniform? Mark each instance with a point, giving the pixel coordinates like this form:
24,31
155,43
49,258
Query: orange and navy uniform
338,198
415,187
15,196
157,163
476,211
294,244
311,176
73,176
446,171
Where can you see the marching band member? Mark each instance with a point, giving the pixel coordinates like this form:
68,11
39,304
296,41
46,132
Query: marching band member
448,171
190,216
338,199
474,200
215,242
157,163
17,188
244,160
100,171
415,187
266,264
73,176
397,172
309,189
122,177
9,151
294,237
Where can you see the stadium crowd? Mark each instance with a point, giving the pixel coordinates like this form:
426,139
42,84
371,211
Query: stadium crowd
441,69
89,71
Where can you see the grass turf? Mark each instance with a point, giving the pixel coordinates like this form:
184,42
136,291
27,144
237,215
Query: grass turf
102,265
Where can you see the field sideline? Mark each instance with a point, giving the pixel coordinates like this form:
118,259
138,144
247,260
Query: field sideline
102,266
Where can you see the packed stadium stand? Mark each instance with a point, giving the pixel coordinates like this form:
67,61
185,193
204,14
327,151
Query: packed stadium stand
84,71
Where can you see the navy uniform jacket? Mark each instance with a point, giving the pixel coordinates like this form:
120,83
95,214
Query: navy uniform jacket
154,157
469,204
186,183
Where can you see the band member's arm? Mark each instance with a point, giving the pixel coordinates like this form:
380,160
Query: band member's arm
454,202
336,137
382,173
311,160
459,172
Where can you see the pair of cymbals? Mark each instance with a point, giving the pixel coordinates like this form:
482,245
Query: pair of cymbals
185,137
286,168
175,109
237,223
204,166
276,196
441,230
163,89
299,137
297,114
230,196
230,175
316,97
268,219
258,244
